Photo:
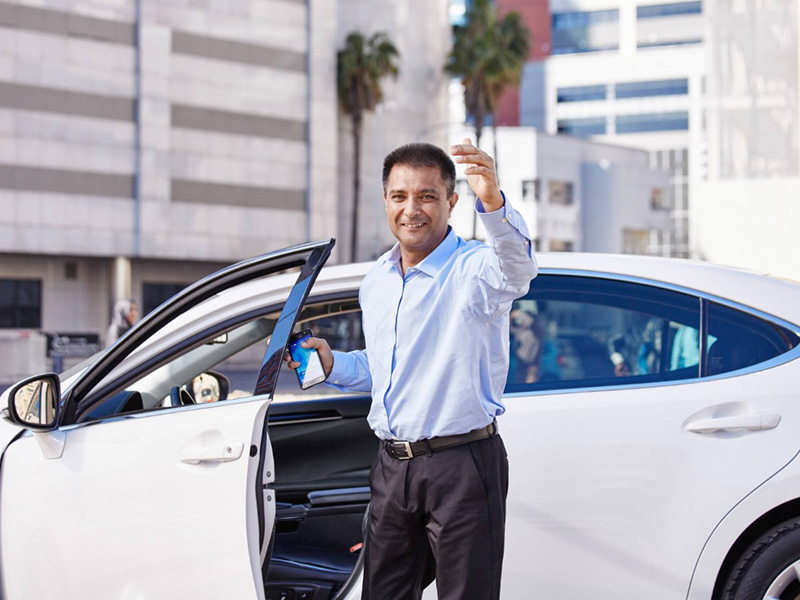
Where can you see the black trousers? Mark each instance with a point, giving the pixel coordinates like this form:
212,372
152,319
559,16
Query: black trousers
442,514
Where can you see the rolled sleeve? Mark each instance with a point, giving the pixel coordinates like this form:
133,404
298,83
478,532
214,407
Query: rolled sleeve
350,372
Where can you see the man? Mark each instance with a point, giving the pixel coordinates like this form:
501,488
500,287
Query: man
435,315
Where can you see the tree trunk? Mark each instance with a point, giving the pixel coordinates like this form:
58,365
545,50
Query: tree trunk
356,184
478,131
494,143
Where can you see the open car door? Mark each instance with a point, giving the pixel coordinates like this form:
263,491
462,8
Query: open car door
115,491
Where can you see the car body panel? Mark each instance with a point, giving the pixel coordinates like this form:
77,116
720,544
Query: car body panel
779,490
165,503
613,480
612,495
129,527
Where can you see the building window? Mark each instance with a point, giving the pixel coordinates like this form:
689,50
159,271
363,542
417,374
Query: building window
659,44
677,121
583,127
530,190
659,199
20,303
642,89
636,241
566,21
155,294
592,31
560,193
561,246
669,10
581,93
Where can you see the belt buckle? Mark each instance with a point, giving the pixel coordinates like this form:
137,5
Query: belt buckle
407,448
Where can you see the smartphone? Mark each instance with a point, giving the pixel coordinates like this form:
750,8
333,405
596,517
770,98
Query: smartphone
310,371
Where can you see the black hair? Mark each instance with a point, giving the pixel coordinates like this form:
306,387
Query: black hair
422,155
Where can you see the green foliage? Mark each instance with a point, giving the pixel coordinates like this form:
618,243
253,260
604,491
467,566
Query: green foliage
361,65
488,54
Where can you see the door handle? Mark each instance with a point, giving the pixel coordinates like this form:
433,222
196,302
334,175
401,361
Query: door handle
226,453
751,422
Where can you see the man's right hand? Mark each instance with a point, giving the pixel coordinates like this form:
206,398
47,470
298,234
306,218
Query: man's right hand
323,349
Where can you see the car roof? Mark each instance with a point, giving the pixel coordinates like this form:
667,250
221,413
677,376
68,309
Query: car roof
753,289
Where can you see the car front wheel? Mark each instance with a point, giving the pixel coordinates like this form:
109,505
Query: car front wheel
770,569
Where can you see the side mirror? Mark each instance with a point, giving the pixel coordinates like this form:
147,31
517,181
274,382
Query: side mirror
210,387
34,403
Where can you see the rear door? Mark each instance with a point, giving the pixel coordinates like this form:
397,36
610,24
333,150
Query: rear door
619,475
154,501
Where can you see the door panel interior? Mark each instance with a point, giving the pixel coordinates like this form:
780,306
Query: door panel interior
323,452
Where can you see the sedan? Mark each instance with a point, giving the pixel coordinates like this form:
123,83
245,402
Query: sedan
652,427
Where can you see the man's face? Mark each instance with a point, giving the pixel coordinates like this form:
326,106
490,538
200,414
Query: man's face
417,207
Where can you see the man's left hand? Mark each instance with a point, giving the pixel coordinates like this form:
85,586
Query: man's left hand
480,173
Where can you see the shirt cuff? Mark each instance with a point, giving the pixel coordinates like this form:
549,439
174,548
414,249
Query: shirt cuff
480,208
343,368
502,221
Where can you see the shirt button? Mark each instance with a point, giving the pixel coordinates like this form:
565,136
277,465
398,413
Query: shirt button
336,382
505,220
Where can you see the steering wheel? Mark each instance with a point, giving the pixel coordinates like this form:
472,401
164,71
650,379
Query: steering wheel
180,396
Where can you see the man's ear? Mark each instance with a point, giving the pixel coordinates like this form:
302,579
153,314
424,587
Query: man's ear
452,201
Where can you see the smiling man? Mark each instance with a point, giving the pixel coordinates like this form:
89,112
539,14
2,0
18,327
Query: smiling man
435,318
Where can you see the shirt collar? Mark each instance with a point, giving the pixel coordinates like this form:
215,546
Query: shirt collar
432,263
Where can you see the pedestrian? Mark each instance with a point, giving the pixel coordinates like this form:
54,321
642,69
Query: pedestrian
435,312
123,316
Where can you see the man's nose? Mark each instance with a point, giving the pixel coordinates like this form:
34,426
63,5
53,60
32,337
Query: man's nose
413,207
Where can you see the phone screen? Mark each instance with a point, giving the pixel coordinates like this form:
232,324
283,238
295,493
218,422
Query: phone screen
310,371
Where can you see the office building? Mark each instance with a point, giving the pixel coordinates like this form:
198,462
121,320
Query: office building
574,194
146,143
629,72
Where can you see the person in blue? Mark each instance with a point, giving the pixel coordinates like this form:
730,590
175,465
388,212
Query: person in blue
435,312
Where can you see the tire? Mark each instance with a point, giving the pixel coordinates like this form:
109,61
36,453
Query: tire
770,569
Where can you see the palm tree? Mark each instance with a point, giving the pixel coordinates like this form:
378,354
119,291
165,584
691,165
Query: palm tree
361,65
488,54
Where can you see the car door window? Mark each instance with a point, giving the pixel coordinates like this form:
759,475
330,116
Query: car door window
738,340
571,331
225,367
339,324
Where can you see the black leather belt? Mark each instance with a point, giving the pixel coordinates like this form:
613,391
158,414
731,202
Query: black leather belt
407,450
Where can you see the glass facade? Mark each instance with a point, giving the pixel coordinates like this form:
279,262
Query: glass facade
588,31
583,127
669,10
155,294
582,93
643,89
566,21
20,303
675,121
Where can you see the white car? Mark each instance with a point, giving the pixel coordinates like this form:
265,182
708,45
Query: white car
652,425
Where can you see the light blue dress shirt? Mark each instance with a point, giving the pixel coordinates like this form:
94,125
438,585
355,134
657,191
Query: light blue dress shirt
436,356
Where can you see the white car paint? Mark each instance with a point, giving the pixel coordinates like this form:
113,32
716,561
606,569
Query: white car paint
127,516
612,493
